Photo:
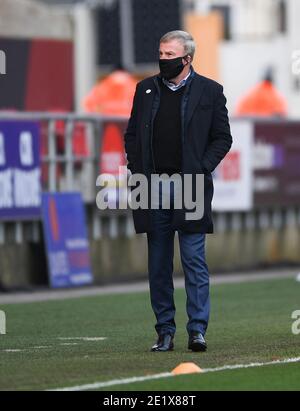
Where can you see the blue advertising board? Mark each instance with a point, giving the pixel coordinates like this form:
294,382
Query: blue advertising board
66,240
20,171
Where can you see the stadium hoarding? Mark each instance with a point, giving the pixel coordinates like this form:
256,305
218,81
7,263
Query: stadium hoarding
276,163
233,178
20,171
262,167
66,240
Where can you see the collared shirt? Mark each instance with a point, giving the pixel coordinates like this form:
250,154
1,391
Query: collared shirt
173,86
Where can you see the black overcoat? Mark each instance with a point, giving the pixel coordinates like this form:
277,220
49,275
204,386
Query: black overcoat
206,139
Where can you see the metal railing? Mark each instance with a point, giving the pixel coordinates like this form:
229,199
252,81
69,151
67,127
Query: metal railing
70,179
110,223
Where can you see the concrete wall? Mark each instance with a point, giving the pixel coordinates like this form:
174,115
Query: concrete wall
29,18
85,53
125,258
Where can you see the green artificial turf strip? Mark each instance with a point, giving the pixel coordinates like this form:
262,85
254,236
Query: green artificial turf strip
249,322
266,378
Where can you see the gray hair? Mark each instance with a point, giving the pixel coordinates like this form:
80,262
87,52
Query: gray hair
185,39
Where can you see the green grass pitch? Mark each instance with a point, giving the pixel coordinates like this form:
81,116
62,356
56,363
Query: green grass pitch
250,322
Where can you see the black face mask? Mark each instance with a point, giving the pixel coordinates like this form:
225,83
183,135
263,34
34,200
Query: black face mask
170,68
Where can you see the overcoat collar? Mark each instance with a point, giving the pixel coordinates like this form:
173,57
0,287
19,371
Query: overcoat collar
196,89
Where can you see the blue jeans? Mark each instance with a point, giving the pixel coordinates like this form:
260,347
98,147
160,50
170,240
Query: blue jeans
160,268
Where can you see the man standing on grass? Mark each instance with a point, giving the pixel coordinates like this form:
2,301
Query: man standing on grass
178,126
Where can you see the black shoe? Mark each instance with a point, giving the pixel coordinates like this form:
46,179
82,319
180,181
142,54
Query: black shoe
164,343
196,342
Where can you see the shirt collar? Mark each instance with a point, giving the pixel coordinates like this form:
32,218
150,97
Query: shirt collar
175,87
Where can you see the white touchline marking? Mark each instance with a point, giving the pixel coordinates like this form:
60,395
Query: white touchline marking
70,343
113,382
252,364
169,374
83,338
40,347
13,350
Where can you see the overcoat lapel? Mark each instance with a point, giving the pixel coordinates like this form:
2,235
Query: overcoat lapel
197,88
149,98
